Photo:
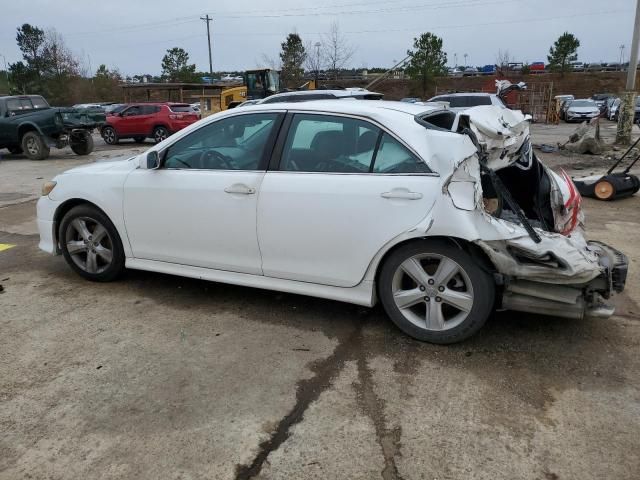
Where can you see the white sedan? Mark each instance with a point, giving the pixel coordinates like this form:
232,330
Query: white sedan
441,216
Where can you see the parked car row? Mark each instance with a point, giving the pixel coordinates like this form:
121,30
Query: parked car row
605,105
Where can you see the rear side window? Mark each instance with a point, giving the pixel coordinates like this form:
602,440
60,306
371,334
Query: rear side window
149,109
13,104
181,108
324,143
19,104
393,157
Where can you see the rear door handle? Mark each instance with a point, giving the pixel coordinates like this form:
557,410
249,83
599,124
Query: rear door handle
402,193
240,188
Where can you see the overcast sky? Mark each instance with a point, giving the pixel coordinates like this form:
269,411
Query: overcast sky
134,35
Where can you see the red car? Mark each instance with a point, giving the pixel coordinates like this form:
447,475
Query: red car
143,120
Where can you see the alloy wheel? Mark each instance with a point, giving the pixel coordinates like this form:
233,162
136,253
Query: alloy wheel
109,135
432,291
89,245
160,134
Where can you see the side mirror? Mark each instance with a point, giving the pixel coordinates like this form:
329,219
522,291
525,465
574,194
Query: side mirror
153,160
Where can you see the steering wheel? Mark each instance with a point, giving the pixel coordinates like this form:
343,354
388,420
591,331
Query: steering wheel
223,160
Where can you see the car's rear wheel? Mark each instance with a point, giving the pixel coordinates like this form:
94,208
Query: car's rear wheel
435,292
139,139
91,244
159,134
81,143
109,135
34,146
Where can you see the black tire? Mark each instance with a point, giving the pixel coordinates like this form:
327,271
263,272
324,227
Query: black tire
34,146
139,139
91,217
81,143
160,133
109,135
15,150
481,289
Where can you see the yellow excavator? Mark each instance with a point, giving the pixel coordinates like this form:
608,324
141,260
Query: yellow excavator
257,84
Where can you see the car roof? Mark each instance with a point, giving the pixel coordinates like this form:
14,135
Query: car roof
349,92
369,108
466,94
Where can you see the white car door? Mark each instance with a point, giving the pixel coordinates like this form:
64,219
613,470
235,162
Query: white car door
343,188
199,208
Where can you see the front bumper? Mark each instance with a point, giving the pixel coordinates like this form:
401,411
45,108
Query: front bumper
46,226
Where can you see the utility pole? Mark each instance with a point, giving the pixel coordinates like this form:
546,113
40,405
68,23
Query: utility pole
208,19
621,57
627,103
317,65
6,70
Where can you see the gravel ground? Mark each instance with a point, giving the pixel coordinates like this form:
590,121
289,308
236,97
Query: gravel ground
157,376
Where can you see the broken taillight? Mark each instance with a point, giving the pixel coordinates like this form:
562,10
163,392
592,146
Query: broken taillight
572,206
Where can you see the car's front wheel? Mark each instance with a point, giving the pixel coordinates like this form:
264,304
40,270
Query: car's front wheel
436,292
91,244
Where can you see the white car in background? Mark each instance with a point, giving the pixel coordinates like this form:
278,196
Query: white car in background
458,102
581,110
441,216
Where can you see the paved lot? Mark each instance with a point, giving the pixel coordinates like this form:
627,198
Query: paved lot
156,376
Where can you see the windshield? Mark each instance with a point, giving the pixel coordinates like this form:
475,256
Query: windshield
583,103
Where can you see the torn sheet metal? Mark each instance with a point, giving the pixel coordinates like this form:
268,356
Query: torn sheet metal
463,185
556,259
501,133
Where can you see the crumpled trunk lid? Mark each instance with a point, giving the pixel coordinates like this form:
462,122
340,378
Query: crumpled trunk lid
503,140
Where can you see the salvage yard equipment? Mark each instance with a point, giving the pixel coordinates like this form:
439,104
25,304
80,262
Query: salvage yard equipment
29,125
611,186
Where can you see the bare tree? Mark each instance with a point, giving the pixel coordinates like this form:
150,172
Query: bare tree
315,57
503,58
269,62
337,50
60,59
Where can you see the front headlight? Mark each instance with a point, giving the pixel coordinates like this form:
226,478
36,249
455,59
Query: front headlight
47,187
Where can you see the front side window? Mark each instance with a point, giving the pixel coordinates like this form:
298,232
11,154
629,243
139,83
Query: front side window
323,143
132,111
233,143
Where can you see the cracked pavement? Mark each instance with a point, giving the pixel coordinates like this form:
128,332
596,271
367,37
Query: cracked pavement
155,376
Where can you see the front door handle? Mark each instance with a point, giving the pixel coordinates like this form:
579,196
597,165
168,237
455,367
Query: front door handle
403,193
240,188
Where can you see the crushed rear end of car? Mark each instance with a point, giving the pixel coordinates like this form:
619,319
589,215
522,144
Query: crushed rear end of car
526,218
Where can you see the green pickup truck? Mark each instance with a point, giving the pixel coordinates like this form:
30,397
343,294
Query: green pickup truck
29,125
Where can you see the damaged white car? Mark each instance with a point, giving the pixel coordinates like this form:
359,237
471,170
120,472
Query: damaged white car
441,216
